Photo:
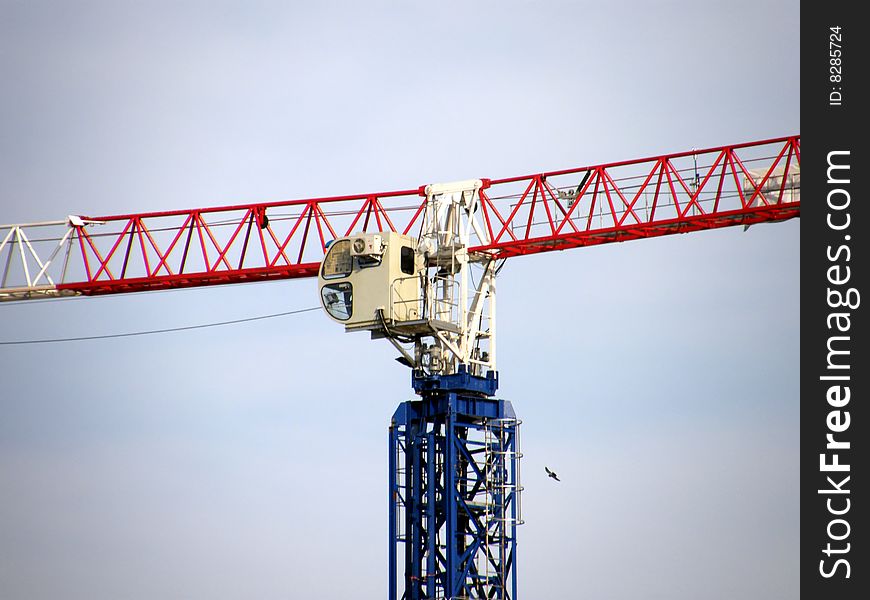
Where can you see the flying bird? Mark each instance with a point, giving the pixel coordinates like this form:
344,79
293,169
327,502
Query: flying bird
552,474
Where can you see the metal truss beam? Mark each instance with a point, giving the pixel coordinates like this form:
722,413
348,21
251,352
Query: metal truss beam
454,493
741,184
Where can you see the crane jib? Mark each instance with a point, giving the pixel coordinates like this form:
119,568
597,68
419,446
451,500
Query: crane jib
741,184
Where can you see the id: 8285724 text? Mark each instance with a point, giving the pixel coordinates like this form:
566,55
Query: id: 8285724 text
835,66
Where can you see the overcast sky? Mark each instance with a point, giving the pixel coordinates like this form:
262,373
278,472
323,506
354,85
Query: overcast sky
659,378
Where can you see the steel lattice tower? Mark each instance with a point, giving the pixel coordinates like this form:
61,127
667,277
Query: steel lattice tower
454,491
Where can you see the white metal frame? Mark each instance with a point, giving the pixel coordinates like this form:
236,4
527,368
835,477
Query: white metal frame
451,293
41,275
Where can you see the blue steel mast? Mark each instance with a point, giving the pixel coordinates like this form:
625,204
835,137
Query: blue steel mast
454,493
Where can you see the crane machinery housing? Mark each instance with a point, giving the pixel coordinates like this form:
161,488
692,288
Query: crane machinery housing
418,268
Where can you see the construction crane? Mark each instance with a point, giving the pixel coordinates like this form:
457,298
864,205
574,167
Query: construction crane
418,268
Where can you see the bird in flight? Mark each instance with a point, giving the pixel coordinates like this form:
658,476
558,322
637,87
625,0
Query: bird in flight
552,474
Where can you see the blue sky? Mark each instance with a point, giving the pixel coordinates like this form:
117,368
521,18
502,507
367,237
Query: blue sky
659,378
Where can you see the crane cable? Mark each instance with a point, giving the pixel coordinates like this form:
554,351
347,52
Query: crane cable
154,331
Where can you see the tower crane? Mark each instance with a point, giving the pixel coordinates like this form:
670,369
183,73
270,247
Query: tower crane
418,268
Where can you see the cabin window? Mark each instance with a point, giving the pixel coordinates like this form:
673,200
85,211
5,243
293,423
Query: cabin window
406,260
337,299
337,262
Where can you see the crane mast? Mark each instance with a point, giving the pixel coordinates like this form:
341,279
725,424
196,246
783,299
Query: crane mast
421,274
454,475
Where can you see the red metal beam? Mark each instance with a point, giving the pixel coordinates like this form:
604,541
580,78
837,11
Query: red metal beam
741,184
